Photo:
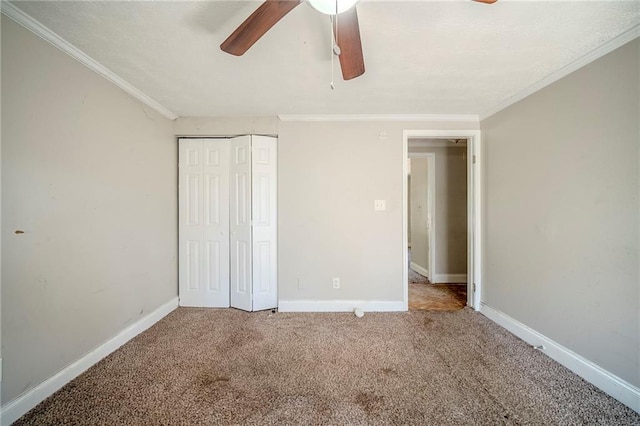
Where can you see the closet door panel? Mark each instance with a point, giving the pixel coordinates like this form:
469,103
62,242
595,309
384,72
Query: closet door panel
203,219
190,227
264,211
240,226
215,178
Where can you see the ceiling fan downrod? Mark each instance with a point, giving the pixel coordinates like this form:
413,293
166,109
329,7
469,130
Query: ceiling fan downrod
335,49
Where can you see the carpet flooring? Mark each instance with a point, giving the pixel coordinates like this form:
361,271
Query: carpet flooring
223,366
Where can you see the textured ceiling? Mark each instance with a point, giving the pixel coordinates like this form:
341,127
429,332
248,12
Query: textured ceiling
422,57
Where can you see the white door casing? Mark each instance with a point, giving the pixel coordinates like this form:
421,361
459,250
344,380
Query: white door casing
264,202
203,222
431,215
240,223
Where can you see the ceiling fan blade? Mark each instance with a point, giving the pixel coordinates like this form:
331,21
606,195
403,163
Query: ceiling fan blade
347,31
486,1
256,25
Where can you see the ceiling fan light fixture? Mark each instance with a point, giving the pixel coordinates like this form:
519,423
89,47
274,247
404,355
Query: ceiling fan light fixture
330,7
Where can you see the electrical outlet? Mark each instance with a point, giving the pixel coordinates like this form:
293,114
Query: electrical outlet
300,285
380,205
336,283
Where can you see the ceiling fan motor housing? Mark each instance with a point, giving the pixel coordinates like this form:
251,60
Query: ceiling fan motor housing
332,7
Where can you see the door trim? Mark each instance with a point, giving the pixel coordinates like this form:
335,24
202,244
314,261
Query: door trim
474,198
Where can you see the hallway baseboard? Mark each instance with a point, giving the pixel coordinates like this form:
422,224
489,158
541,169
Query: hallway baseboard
419,269
449,278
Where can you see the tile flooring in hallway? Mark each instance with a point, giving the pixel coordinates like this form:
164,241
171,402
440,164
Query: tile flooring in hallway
424,295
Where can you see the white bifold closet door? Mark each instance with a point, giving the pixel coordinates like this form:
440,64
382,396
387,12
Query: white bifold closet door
240,212
247,241
204,222
264,212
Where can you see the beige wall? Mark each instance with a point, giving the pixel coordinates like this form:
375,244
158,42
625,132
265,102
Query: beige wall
329,174
328,178
451,210
419,213
89,174
561,212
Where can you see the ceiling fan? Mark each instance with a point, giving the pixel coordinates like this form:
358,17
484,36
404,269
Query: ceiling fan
348,45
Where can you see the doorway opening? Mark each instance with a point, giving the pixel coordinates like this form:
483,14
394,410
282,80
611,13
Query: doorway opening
437,223
441,194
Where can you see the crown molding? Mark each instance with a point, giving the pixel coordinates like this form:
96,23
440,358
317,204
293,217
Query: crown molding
45,33
382,117
597,53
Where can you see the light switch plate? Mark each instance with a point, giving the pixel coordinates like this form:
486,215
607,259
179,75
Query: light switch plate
380,205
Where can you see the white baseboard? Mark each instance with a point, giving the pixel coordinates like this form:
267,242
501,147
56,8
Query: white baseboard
449,278
13,410
419,269
609,383
340,306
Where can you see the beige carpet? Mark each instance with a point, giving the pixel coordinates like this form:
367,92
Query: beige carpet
211,367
